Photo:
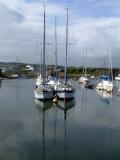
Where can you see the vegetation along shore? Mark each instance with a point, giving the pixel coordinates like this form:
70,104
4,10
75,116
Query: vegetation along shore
22,70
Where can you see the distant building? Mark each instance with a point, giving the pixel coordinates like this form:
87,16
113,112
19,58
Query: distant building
29,68
6,69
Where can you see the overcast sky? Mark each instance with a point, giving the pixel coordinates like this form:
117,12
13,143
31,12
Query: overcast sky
93,24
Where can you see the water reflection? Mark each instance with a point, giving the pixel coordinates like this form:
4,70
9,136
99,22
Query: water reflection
65,106
84,101
42,106
18,87
104,94
88,128
0,83
91,135
118,97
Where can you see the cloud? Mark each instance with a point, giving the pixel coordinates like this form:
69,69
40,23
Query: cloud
8,16
21,27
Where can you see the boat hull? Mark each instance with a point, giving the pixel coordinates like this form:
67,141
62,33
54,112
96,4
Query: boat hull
91,86
105,85
43,95
83,80
117,78
65,95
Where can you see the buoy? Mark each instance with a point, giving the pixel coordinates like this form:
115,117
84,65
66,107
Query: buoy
55,99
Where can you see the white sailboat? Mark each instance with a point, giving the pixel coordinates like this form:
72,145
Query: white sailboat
105,84
117,78
43,91
84,78
65,91
106,81
117,83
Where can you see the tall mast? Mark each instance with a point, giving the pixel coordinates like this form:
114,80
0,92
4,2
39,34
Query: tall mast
41,63
66,48
86,62
56,46
83,64
104,66
44,47
110,64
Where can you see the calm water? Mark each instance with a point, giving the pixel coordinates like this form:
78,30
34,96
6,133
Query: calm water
89,128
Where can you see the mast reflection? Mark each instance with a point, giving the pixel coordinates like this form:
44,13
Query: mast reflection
0,83
105,96
65,106
42,107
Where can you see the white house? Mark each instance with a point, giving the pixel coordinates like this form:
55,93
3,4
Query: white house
29,68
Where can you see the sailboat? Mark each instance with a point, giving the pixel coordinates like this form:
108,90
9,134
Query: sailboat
65,91
43,91
117,78
117,83
106,81
84,78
